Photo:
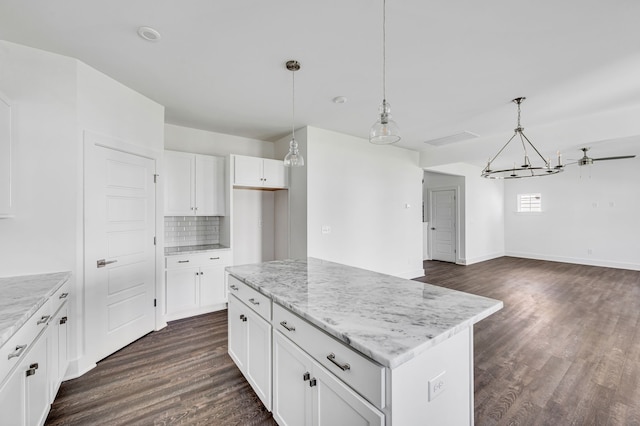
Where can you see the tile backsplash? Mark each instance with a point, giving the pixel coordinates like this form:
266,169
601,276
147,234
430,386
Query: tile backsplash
191,230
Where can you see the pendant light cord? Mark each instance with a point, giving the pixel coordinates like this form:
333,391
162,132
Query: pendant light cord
293,105
384,51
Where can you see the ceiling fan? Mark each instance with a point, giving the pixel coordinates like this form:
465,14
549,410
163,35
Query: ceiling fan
586,160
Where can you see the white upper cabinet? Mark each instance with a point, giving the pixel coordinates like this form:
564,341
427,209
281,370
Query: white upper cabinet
194,185
259,172
6,204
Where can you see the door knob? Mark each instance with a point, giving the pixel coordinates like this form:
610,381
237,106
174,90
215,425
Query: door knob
102,263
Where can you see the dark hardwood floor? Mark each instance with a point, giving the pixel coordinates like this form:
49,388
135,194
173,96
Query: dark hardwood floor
565,350
180,375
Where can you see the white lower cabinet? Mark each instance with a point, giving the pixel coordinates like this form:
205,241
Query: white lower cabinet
250,347
305,393
34,362
195,283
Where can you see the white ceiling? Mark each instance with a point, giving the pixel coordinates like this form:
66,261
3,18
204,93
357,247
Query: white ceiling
452,66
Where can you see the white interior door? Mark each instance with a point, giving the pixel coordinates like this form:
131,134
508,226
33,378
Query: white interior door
119,249
443,225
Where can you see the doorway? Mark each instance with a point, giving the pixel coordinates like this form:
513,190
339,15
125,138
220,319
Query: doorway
443,224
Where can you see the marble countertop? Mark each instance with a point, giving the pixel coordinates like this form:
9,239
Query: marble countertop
391,320
22,296
171,251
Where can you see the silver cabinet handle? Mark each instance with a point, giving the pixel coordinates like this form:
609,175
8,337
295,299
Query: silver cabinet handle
233,287
31,372
252,300
183,261
63,296
288,327
312,382
63,320
243,318
17,352
102,263
214,258
306,376
43,319
344,367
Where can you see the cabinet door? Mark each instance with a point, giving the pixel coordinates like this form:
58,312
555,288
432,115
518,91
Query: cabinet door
292,370
182,293
247,171
58,360
237,333
35,368
209,186
274,174
334,403
179,184
212,287
12,398
258,371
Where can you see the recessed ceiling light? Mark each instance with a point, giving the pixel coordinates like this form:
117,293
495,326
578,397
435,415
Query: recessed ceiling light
340,100
149,34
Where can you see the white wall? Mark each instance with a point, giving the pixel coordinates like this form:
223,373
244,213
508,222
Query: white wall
484,213
360,190
42,236
587,220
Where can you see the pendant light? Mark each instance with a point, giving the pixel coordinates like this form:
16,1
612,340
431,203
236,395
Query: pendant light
526,169
293,157
385,131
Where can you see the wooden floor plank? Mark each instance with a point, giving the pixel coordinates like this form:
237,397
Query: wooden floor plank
565,350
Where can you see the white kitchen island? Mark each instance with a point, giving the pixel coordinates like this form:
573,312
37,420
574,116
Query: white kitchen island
328,344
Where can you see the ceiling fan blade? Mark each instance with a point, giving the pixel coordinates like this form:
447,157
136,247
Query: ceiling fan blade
614,158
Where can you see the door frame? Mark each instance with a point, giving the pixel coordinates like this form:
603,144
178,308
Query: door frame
91,139
456,193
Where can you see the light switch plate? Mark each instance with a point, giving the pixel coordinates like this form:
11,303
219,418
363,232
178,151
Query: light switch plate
436,386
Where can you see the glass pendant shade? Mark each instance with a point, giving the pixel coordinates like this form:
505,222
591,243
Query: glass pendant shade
293,157
385,131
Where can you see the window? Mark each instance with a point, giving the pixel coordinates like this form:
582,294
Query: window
529,203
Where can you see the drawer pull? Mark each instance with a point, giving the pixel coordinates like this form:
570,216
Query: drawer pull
17,352
183,261
44,319
252,300
306,376
233,287
243,318
287,326
344,367
63,320
214,258
31,372
312,382
34,366
63,296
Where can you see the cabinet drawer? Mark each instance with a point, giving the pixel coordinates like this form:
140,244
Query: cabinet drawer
364,375
12,352
252,298
210,258
60,297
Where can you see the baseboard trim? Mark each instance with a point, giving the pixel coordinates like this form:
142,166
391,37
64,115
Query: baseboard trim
471,261
577,260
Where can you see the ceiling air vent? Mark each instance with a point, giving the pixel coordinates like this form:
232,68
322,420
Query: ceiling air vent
447,140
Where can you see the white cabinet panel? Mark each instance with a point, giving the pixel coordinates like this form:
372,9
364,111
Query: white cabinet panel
195,283
179,197
12,399
194,185
258,172
306,393
36,370
250,347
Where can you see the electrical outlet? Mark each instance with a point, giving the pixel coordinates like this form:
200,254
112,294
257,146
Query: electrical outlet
436,386
326,229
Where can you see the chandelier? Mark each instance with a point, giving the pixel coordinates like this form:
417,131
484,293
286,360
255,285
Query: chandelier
526,169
